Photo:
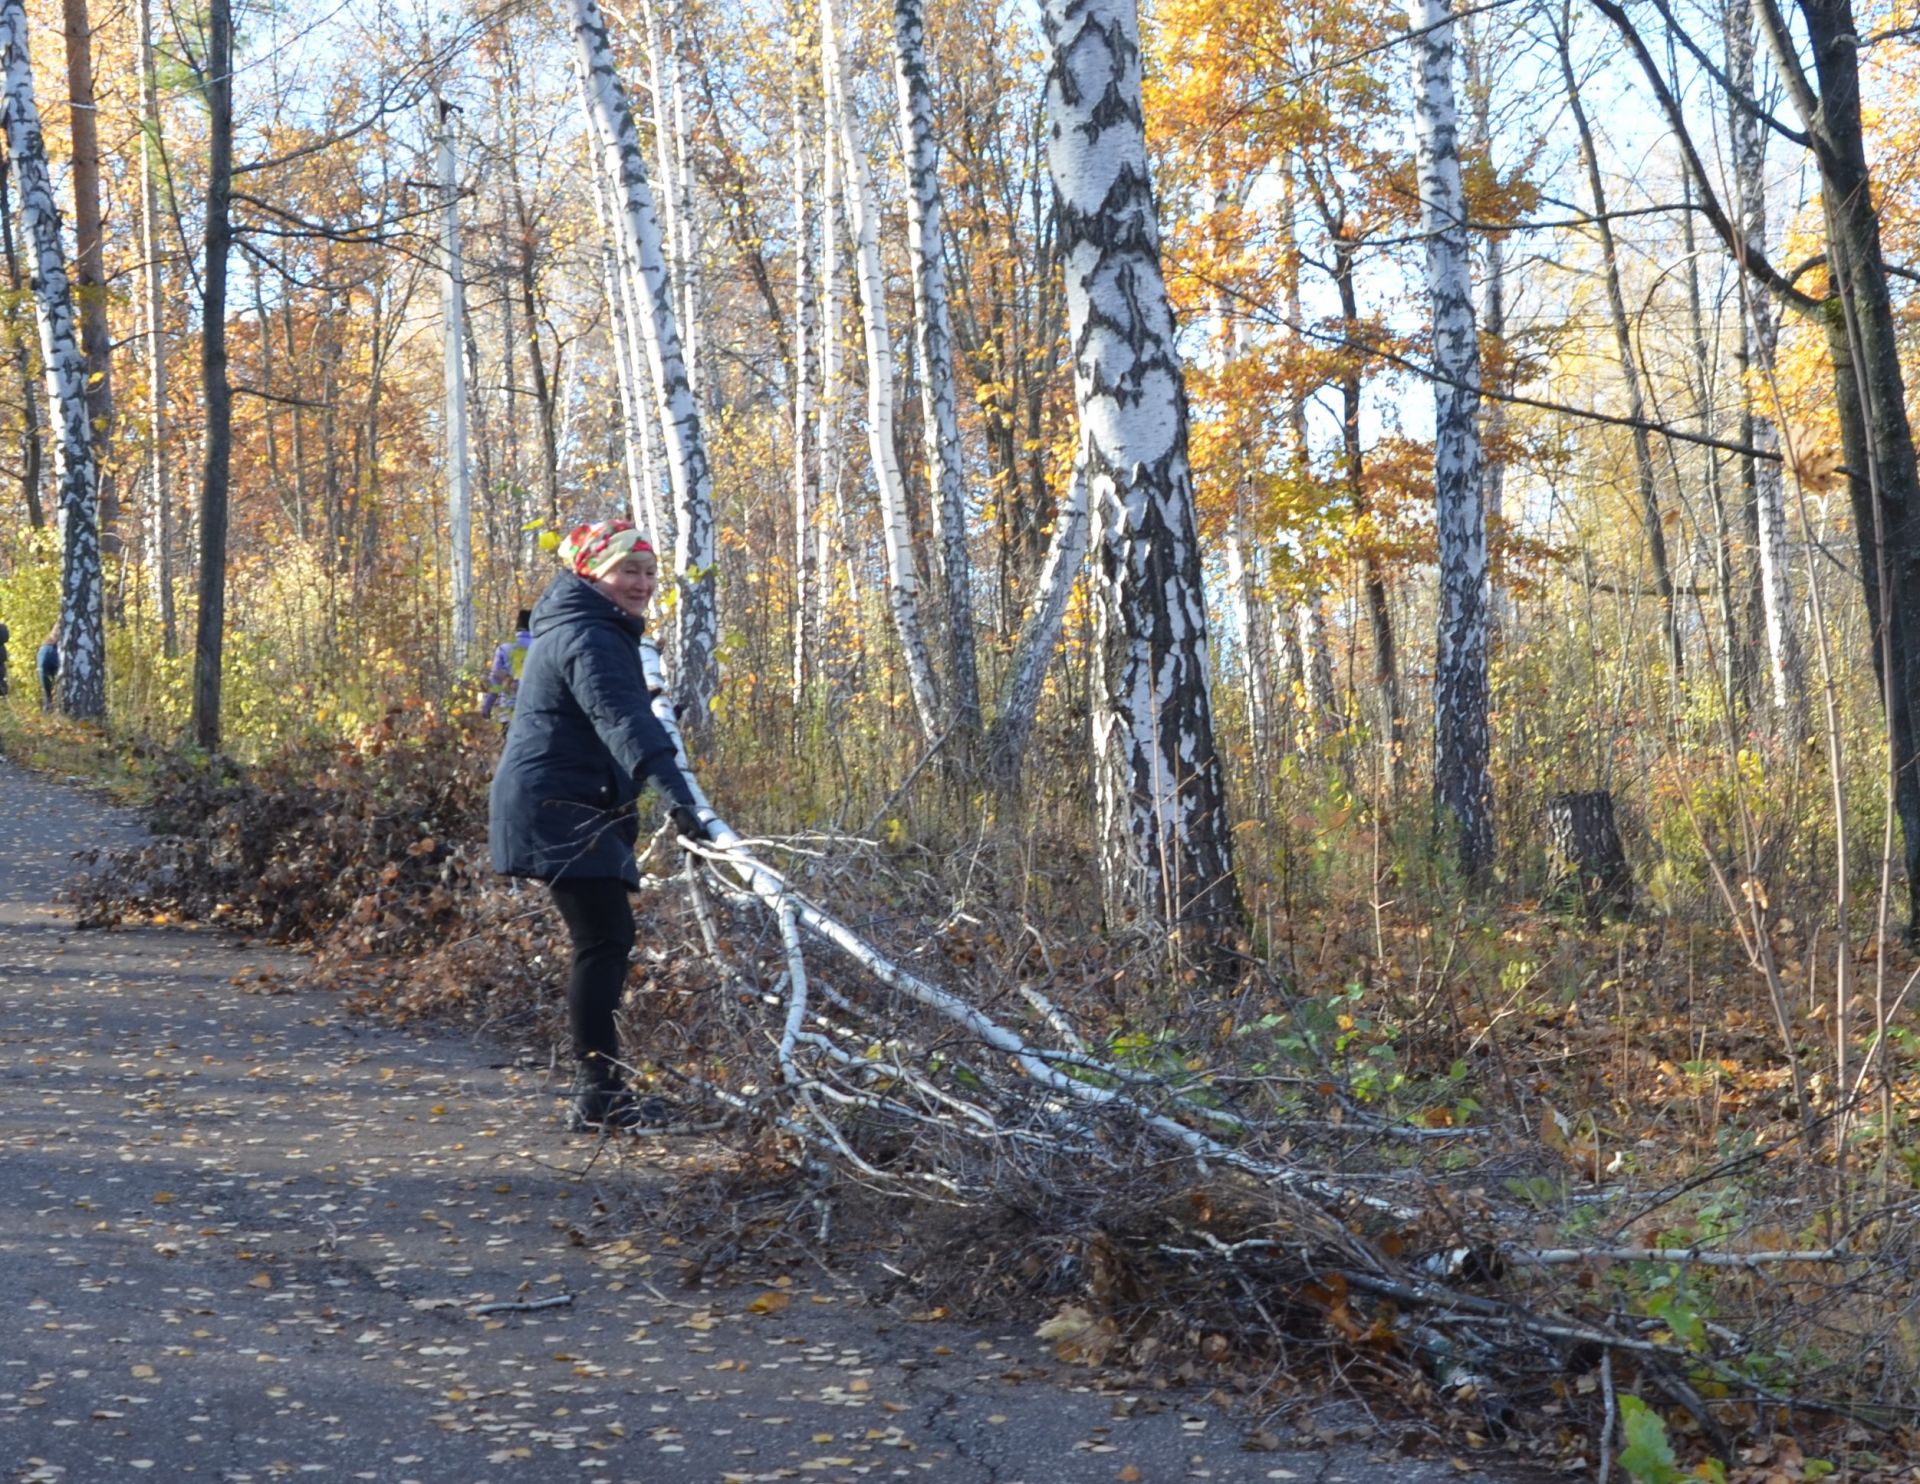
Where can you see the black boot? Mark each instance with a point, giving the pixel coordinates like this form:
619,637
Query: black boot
602,1101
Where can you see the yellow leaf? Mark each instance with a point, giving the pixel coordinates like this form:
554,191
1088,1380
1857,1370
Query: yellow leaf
770,1303
260,1280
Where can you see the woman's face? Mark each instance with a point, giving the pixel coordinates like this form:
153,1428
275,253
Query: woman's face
631,584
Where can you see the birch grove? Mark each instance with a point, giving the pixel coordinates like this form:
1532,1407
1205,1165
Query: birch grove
877,326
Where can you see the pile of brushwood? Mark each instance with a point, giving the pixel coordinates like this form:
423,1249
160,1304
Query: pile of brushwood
1239,1180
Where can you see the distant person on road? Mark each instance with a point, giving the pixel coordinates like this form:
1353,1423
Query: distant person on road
583,745
47,661
5,634
503,675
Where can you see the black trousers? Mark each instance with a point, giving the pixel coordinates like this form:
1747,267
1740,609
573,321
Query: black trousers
599,919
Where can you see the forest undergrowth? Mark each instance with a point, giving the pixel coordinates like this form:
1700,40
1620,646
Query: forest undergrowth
1548,1178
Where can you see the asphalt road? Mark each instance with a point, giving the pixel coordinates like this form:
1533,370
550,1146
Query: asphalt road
246,1239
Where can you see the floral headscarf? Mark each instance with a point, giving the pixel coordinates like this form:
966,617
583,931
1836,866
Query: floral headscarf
595,550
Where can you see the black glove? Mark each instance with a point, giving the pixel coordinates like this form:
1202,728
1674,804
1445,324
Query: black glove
689,824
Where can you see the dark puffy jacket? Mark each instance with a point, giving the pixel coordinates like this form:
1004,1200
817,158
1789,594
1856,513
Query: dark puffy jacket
581,746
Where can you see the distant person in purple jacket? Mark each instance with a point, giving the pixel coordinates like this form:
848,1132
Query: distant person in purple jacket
503,675
47,661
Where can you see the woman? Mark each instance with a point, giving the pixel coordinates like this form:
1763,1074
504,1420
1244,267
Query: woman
583,743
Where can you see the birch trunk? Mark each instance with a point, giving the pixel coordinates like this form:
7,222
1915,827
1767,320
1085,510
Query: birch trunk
688,275
933,322
1462,786
639,228
863,218
1650,515
453,335
805,572
1758,339
639,506
642,499
1493,319
1173,863
627,279
83,680
30,451
90,275
828,466
1039,638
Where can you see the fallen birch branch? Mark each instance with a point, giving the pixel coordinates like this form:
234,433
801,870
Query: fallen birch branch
524,1306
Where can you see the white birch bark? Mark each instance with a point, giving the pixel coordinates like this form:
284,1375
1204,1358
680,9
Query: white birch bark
83,677
1463,788
863,218
933,323
661,526
641,508
1493,319
1786,668
686,225
804,552
828,465
159,470
639,229
1174,862
643,495
1039,637
453,291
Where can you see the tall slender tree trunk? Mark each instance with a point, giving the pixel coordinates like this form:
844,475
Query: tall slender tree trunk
90,276
525,280
1462,786
639,395
863,216
1650,513
30,450
687,224
1174,863
216,77
83,676
828,462
933,324
1870,392
453,292
1386,648
639,229
1758,338
805,570
1039,638
1493,319
296,421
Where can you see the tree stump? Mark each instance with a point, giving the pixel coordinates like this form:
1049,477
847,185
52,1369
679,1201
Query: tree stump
1585,860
